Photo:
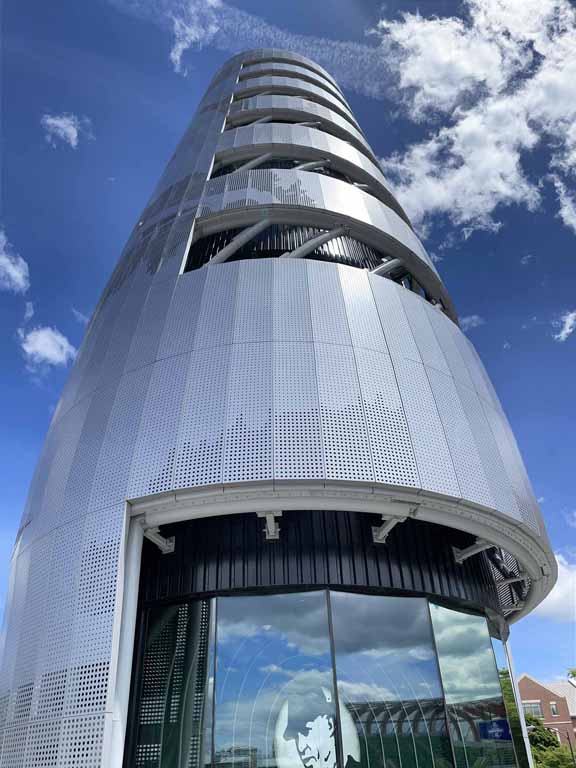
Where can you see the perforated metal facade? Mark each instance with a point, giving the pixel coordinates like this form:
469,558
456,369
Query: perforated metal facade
245,386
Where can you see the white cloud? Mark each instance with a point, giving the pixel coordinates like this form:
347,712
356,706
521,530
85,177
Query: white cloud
441,61
560,605
512,71
506,346
44,347
566,324
570,518
471,321
566,201
14,271
66,127
527,258
80,316
195,24
28,311
496,84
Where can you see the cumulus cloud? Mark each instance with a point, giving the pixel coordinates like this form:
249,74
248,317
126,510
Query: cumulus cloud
501,82
560,605
471,321
65,127
566,324
28,311
14,271
44,347
489,87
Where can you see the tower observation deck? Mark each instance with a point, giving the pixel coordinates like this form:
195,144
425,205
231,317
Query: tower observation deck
276,451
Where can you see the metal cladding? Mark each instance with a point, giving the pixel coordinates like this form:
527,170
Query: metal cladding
257,384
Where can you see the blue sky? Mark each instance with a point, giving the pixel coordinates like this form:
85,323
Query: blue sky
472,108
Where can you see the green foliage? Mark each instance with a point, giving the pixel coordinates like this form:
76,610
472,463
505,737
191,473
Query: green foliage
513,717
540,737
572,673
558,757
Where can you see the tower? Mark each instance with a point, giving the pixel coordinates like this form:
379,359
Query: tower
278,487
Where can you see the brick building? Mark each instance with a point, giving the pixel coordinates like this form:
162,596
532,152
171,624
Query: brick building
545,701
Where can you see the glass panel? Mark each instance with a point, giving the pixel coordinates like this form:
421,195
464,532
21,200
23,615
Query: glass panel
391,706
533,708
510,703
171,704
274,693
477,716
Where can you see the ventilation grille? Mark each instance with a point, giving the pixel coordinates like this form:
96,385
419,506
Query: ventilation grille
285,163
279,238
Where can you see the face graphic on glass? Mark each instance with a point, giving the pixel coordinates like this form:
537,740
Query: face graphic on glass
311,723
316,745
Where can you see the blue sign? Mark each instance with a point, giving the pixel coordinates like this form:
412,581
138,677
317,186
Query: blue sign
495,730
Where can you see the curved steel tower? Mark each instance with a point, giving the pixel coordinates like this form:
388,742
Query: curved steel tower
273,398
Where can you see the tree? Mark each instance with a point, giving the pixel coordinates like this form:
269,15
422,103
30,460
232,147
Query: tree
540,737
572,673
513,718
558,757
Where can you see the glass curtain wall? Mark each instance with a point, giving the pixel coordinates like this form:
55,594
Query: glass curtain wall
174,687
389,682
476,713
511,703
317,680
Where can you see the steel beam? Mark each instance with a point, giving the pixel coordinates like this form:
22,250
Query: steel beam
241,239
313,243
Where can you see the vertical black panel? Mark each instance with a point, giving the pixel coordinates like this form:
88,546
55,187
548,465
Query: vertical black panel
316,548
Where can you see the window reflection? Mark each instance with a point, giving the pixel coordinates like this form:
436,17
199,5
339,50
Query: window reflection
510,703
175,672
388,681
274,694
477,716
248,682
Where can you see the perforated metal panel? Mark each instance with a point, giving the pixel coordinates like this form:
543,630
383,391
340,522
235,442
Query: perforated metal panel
201,430
144,346
113,467
424,336
397,331
277,84
300,108
291,70
327,309
253,315
433,458
363,320
248,440
154,449
495,473
297,428
181,320
469,470
291,303
445,332
392,452
344,433
216,319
